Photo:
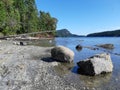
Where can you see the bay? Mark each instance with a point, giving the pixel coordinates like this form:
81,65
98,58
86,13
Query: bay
101,82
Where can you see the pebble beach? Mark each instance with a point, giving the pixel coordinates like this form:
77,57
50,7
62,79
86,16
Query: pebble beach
24,68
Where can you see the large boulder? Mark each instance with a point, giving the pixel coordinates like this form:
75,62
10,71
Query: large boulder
97,64
106,46
62,54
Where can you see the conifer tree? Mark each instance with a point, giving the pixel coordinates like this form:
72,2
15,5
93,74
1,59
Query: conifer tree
21,16
47,22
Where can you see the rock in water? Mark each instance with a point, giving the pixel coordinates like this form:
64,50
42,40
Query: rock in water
106,46
79,47
62,54
98,64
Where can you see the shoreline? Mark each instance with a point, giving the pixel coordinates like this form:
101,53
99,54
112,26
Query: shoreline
30,67
23,68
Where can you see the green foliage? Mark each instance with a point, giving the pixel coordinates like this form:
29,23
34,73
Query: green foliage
46,22
2,15
9,17
21,16
28,15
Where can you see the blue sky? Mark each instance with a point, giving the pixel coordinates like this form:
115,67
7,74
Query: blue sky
83,16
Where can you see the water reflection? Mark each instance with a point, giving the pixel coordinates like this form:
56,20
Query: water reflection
64,68
103,82
95,81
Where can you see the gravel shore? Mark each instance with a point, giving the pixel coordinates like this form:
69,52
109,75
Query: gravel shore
25,68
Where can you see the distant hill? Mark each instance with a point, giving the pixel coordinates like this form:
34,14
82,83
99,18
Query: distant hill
115,33
66,33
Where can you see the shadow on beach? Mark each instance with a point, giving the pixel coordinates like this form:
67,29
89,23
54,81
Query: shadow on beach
48,59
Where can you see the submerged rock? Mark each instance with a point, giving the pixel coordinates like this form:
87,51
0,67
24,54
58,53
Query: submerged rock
91,48
97,64
63,68
79,47
62,54
106,46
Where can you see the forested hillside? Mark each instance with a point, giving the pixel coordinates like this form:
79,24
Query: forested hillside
22,16
115,33
66,33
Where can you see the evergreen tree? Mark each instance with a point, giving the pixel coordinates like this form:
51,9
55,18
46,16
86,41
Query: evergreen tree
21,7
21,16
9,17
2,16
32,16
46,22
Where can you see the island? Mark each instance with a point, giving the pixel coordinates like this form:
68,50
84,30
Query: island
114,33
66,33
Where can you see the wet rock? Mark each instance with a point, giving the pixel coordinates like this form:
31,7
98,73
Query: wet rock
20,43
117,54
106,46
79,47
62,54
97,64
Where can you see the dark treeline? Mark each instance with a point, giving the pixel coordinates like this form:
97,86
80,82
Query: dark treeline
115,33
22,16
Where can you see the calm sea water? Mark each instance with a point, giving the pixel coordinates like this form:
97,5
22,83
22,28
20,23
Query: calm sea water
103,82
